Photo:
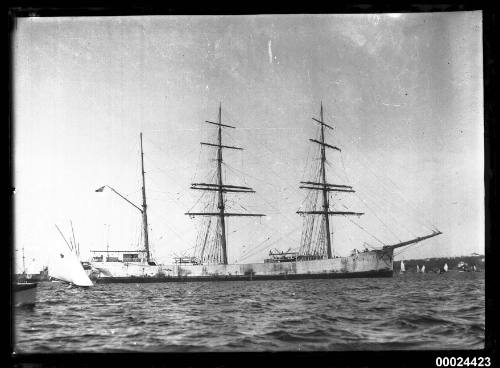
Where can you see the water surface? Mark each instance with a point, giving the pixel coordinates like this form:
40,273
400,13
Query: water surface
412,311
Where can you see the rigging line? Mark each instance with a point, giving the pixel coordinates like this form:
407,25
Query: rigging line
306,164
397,191
287,235
152,161
262,247
318,236
172,198
351,240
366,231
199,199
168,174
369,164
165,223
250,252
198,163
378,218
277,209
203,195
244,255
400,223
336,172
274,154
359,197
294,228
261,180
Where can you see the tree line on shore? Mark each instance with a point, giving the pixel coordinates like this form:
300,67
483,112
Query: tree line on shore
465,263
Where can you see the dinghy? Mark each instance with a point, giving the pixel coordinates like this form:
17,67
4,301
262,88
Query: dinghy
65,266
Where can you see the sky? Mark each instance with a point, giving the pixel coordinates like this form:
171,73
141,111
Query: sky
404,93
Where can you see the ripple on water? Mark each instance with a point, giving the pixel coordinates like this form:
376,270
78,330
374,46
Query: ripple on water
362,314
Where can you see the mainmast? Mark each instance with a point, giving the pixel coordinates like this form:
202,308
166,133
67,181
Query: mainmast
144,207
326,187
220,205
220,187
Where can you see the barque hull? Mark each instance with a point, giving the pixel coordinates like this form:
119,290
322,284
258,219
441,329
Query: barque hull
376,263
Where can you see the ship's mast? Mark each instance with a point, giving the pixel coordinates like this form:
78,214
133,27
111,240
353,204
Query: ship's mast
326,187
144,206
24,266
220,192
220,187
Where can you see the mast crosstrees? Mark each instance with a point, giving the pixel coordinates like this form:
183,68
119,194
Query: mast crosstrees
220,188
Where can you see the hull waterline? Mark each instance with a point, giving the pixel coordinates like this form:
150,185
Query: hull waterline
377,263
154,279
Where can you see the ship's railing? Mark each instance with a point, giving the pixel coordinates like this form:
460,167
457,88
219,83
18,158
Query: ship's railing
187,260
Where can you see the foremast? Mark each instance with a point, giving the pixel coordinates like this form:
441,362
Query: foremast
221,188
325,187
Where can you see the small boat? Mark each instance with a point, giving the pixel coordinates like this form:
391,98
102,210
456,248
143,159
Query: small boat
422,270
65,266
25,293
445,268
418,269
402,269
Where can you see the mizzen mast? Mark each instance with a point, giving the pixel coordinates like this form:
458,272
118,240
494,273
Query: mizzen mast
144,207
220,187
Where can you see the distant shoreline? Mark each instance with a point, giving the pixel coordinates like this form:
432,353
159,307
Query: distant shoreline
436,264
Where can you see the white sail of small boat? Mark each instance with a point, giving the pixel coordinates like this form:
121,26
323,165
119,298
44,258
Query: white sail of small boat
402,267
445,268
65,266
418,269
422,269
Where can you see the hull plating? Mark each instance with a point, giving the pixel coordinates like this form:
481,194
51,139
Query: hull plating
377,263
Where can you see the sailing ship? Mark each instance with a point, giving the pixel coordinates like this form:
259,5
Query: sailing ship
313,260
